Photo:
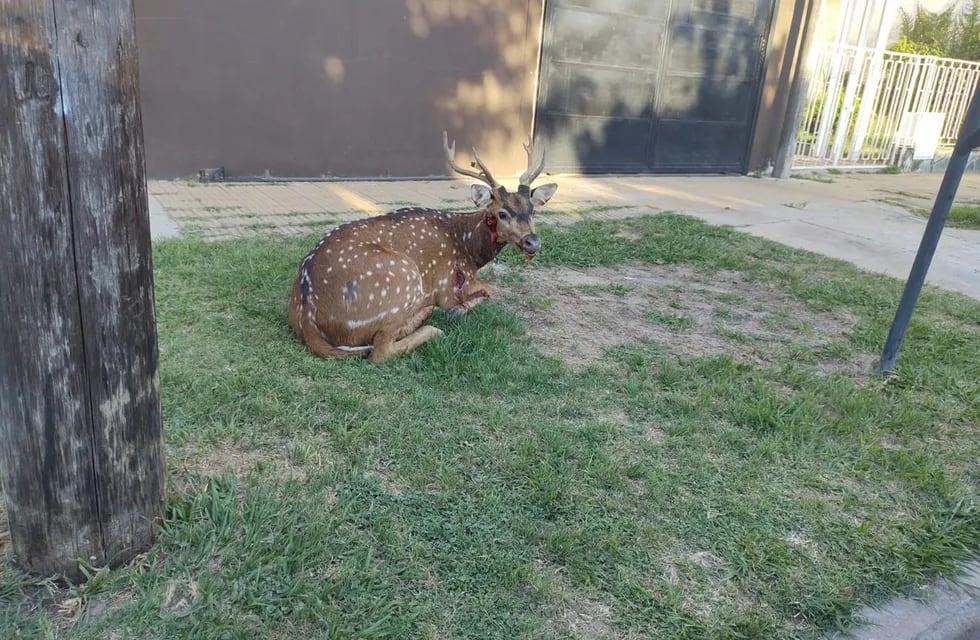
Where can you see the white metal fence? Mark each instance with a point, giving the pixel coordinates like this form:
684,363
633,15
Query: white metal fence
868,108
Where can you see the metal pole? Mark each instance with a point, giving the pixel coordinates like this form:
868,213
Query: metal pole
968,140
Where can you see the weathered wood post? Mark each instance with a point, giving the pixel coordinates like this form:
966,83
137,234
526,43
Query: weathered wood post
805,26
81,452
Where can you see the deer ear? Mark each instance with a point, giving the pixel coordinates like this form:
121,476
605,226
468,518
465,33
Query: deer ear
480,194
541,195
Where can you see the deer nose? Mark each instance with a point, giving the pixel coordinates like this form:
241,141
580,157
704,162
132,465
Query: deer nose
530,244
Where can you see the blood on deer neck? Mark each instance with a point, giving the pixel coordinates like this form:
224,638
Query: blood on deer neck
475,233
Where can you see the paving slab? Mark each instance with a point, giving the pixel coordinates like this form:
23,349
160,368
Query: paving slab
161,224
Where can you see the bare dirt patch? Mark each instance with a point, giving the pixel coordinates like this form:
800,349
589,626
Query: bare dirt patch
571,613
386,473
67,609
578,314
705,584
179,596
231,459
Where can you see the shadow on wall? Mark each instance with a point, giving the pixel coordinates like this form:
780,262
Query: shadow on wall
489,104
345,88
616,98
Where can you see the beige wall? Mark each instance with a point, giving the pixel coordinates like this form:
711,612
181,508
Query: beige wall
297,88
344,87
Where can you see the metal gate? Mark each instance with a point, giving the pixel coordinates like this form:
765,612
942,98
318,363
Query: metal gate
872,108
641,85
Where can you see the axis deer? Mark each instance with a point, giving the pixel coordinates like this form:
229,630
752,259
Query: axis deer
368,286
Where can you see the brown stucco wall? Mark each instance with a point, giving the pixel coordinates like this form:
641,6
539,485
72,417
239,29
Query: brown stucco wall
779,67
305,88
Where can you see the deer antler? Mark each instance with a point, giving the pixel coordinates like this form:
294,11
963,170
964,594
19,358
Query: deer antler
484,174
528,176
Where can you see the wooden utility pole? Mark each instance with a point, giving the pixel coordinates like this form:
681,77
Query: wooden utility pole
81,450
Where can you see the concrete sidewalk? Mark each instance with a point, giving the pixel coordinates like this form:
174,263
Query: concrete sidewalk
862,218
161,224
944,611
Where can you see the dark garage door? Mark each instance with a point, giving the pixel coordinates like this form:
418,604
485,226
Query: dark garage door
650,85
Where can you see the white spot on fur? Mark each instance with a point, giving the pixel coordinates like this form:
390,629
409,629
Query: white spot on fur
356,349
354,324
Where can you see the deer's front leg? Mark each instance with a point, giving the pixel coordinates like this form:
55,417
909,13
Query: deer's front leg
476,291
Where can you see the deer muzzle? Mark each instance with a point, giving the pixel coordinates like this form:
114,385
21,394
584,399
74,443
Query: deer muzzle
530,244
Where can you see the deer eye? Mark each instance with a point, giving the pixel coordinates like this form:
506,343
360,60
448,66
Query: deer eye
503,214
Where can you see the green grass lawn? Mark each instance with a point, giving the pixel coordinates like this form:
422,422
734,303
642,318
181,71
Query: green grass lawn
478,488
961,216
964,216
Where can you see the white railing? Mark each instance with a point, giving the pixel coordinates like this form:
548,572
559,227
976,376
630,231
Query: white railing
868,108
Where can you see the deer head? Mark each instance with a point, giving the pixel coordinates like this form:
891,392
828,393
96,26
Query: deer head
510,216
